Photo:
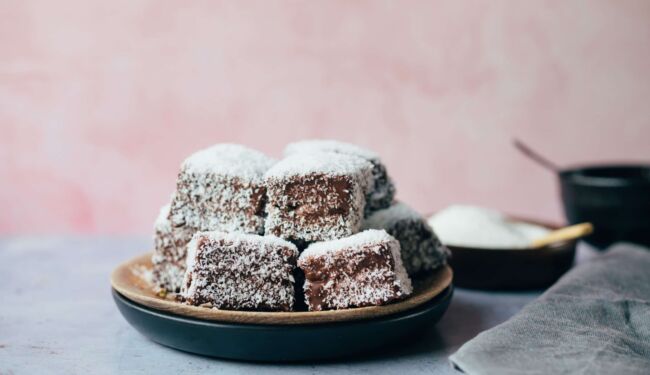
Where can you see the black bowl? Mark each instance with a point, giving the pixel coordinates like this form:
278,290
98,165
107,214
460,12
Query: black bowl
282,343
614,198
512,269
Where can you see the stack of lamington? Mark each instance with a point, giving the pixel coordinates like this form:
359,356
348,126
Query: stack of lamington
245,232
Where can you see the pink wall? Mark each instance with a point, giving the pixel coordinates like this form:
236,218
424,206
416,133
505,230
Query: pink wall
101,100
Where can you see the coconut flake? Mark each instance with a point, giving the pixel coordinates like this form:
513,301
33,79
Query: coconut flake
420,247
313,174
357,240
470,226
388,217
237,238
240,271
381,190
355,284
322,163
229,160
328,145
162,223
219,188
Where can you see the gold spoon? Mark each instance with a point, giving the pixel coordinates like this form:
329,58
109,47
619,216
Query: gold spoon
571,232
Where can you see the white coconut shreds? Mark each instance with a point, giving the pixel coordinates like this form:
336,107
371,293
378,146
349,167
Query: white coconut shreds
229,160
421,249
144,273
320,162
168,258
162,223
389,216
327,145
344,244
303,198
221,188
347,279
380,192
240,271
470,226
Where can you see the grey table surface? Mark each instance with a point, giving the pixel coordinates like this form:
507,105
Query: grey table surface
57,317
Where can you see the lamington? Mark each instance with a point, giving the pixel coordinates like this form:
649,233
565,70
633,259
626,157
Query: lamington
316,196
168,258
238,271
382,190
422,251
361,270
221,188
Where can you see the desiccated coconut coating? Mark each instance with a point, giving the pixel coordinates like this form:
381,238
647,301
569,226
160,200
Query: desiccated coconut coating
316,196
361,270
421,249
382,190
221,188
168,258
238,271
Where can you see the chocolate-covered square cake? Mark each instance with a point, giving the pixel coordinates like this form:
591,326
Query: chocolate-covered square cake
238,271
380,192
168,258
316,196
422,251
361,270
221,188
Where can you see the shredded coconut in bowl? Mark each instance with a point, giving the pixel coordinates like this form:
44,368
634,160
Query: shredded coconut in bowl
471,226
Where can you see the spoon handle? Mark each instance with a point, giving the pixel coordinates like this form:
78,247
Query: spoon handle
564,234
535,156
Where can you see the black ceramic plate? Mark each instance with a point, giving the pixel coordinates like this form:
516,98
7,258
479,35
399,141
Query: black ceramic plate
280,343
127,279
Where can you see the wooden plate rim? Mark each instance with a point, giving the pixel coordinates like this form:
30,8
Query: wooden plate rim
125,281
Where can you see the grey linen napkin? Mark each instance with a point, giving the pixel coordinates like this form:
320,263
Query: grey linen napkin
594,320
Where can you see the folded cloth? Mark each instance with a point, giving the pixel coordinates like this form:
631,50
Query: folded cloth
594,320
